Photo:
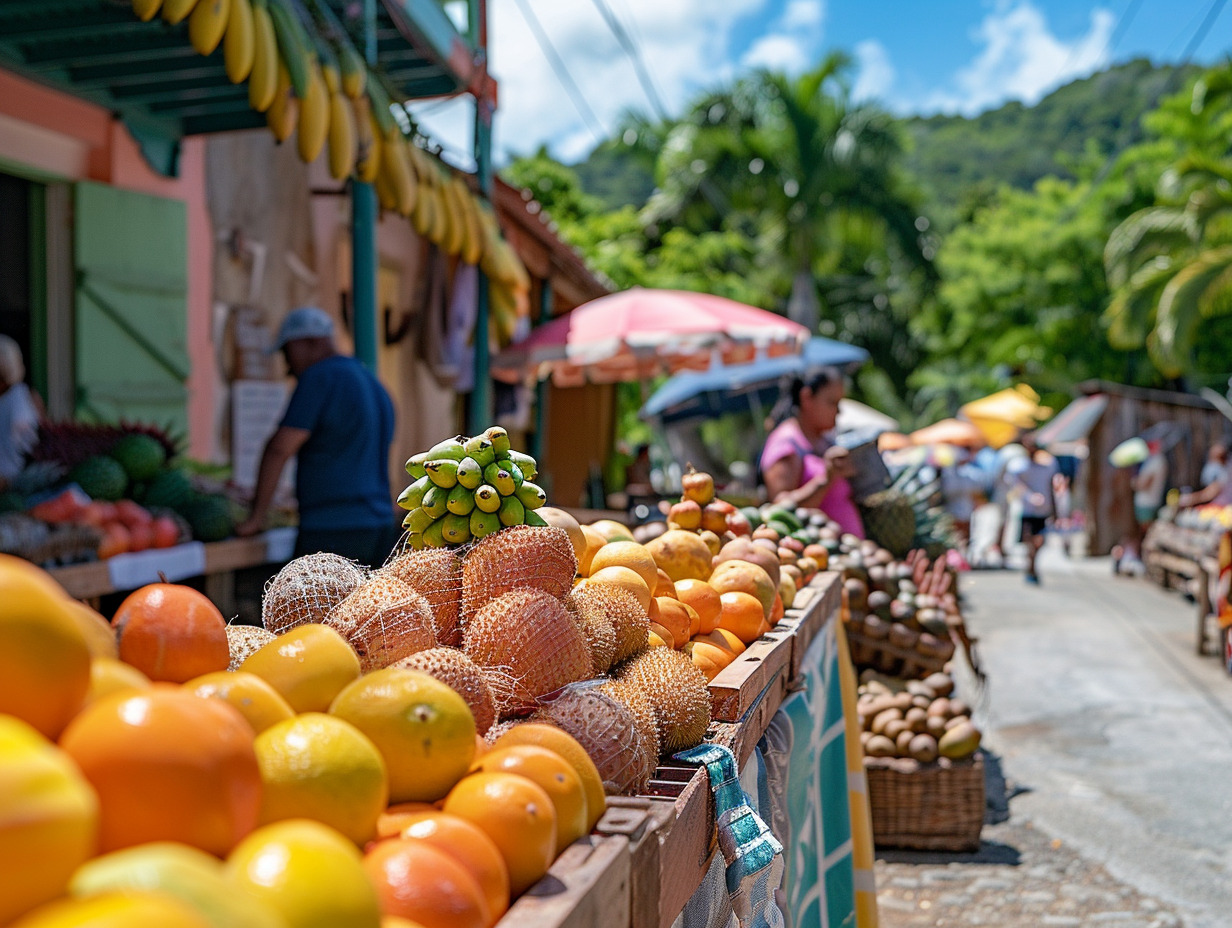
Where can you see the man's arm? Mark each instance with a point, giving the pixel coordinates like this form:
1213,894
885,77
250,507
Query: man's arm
283,445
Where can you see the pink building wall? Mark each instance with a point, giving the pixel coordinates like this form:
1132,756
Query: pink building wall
64,138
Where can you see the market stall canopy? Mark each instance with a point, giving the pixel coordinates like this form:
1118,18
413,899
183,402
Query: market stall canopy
745,387
1002,415
1070,427
958,432
641,333
151,76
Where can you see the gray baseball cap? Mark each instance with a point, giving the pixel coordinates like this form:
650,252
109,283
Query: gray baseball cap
304,322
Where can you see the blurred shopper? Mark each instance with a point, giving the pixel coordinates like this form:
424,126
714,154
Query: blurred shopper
1150,485
962,485
800,464
20,412
1032,485
338,425
1215,470
1216,482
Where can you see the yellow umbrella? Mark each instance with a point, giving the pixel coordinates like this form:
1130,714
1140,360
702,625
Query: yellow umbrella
1002,415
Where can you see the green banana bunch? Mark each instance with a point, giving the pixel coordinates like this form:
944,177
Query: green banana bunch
465,489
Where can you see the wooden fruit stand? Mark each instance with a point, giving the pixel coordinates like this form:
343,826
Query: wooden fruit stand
650,853
1187,559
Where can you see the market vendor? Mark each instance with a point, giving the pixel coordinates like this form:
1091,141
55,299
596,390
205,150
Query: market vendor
339,425
800,464
20,412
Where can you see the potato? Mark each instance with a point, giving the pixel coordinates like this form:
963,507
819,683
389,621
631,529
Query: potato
903,701
957,720
920,688
941,683
923,748
895,728
921,702
903,742
917,718
958,707
880,746
935,726
940,707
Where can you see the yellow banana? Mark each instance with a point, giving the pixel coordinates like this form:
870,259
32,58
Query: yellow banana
207,24
284,111
441,226
146,9
313,117
333,80
424,216
175,10
263,79
396,166
504,312
341,136
238,43
385,193
354,71
367,141
456,231
472,244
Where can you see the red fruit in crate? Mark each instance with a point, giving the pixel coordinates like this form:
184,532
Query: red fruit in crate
738,525
132,514
172,632
141,536
166,532
66,506
116,540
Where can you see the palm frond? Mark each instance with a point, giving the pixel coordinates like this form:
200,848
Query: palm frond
1145,234
1180,306
1131,313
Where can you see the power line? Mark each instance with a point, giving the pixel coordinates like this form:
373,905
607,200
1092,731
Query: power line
634,53
1199,36
562,72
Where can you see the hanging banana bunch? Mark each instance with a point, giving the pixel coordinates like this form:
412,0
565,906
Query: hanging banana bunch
207,24
238,42
175,11
263,77
146,9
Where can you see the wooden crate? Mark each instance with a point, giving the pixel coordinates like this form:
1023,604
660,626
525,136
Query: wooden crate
763,665
587,885
815,605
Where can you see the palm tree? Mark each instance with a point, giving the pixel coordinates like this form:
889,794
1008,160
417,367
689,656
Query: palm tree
798,165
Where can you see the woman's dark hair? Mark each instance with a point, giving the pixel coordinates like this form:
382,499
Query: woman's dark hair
814,379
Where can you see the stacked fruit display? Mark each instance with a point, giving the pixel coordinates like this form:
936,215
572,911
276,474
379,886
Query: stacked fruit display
469,488
306,76
920,719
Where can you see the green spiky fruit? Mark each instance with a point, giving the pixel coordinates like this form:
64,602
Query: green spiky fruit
889,519
210,518
486,498
460,501
172,489
470,474
100,478
141,456
512,512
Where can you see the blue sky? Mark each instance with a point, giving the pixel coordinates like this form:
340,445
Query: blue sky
913,56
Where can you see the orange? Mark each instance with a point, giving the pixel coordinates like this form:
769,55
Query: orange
168,766
665,586
627,554
678,618
776,611
550,771
468,844
709,658
626,578
44,658
389,824
566,746
100,636
319,767
423,729
705,601
171,632
258,702
742,615
308,873
659,637
109,676
414,879
682,554
517,815
745,577
115,910
48,819
594,541
610,530
395,921
308,666
724,638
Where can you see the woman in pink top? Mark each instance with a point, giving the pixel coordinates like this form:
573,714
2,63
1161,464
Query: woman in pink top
800,465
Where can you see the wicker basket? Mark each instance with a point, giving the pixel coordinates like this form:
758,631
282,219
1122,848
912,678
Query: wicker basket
932,807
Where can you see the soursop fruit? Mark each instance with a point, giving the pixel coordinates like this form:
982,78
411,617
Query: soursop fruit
210,518
100,478
141,456
889,520
171,489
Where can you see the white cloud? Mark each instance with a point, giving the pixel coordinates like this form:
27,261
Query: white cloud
778,53
875,74
686,45
803,14
1022,59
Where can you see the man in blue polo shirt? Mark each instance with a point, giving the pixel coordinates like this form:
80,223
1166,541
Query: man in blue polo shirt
339,425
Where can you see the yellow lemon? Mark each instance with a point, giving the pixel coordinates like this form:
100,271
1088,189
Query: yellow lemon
100,636
423,729
109,676
309,873
256,700
317,766
115,910
553,774
309,666
191,876
48,819
44,659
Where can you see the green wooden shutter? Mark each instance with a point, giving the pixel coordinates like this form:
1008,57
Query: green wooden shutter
131,257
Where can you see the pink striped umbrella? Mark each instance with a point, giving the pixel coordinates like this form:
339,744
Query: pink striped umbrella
639,333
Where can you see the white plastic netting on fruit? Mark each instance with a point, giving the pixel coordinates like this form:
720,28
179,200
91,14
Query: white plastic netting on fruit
307,589
530,645
608,731
243,640
436,574
457,671
384,620
518,558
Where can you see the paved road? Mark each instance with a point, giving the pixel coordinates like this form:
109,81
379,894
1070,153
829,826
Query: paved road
1116,741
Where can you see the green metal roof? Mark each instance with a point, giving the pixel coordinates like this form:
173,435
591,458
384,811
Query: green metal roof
150,75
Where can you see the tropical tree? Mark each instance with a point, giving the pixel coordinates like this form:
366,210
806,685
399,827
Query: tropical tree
1170,264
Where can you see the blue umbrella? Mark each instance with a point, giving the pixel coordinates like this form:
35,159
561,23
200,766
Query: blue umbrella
740,387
